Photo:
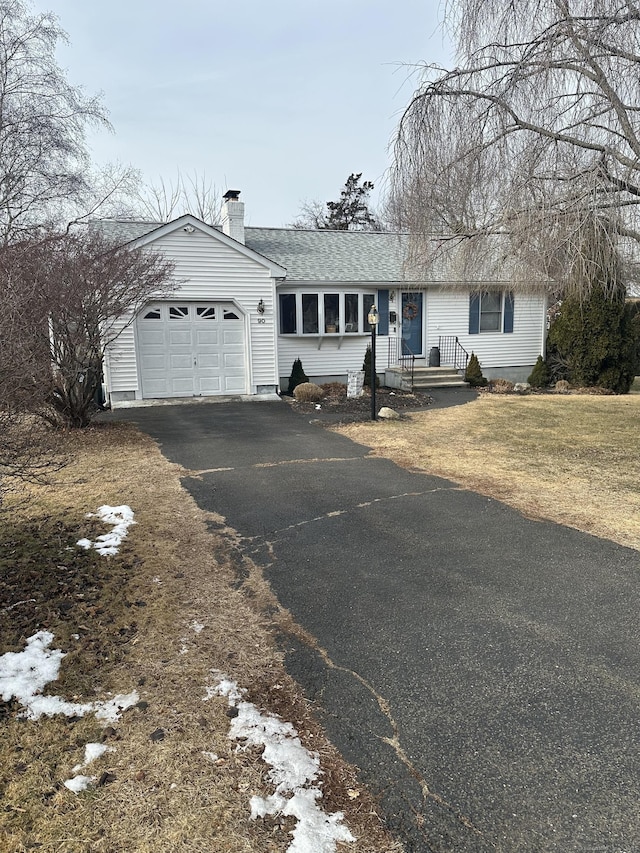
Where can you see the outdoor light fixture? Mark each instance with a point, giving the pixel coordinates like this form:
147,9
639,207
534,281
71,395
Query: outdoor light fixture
189,229
261,307
373,317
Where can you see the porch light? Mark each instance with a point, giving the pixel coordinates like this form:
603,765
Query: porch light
373,318
261,307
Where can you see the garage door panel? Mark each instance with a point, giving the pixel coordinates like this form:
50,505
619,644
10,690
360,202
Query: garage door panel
199,353
231,337
210,361
233,385
180,361
183,386
233,359
151,337
210,385
208,338
180,338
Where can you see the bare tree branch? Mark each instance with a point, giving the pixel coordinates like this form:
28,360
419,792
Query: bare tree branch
534,137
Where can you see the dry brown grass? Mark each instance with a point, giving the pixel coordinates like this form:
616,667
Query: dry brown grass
572,459
132,614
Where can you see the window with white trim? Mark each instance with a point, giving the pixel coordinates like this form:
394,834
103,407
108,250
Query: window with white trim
324,313
491,311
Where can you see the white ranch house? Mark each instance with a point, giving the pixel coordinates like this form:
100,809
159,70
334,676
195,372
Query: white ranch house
249,301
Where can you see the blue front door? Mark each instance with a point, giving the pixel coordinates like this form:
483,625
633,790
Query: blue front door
412,342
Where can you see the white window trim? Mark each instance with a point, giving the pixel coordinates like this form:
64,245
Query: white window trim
320,294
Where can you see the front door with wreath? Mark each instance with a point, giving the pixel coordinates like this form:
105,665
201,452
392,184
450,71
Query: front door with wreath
412,325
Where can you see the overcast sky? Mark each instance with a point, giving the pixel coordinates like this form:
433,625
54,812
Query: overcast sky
281,99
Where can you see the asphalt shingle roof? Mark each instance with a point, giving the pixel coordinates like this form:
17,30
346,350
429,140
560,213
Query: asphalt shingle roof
338,256
366,256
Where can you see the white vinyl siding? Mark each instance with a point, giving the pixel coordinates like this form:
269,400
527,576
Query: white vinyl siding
208,269
448,314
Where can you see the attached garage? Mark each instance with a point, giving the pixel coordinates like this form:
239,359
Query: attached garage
191,349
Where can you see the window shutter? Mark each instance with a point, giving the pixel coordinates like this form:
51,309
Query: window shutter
508,313
383,310
474,313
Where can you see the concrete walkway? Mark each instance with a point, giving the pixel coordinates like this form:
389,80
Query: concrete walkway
481,668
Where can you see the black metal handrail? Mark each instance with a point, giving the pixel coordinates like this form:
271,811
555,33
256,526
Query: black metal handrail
452,353
400,354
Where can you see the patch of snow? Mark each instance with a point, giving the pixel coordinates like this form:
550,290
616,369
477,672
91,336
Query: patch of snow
25,674
79,783
108,544
91,752
111,710
196,627
210,755
293,769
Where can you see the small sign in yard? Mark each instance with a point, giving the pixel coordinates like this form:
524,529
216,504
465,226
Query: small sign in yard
355,383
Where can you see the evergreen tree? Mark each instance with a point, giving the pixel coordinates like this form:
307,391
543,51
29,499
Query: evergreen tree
473,373
349,213
592,341
366,366
539,376
298,376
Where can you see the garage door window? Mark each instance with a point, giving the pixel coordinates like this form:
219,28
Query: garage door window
206,313
178,312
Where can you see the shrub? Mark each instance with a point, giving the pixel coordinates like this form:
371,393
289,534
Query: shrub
366,366
592,343
501,386
473,373
298,376
308,392
539,376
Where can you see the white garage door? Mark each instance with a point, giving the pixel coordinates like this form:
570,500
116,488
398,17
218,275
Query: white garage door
189,349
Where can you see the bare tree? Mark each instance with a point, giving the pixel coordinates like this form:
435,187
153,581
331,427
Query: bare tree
69,297
43,118
312,216
193,194
530,148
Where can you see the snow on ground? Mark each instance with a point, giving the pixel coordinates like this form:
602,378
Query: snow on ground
25,674
108,544
80,782
293,770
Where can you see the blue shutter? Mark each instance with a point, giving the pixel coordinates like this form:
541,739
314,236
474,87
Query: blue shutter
383,310
508,313
474,313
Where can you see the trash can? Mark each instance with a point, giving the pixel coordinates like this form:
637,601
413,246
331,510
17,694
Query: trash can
434,357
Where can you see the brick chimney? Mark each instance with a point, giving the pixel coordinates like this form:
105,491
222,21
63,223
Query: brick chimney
233,215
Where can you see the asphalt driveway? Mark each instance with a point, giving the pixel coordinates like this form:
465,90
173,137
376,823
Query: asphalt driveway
481,668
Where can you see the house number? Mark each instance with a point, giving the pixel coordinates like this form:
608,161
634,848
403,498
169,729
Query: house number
261,320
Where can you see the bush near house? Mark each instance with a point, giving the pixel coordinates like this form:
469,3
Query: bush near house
473,373
366,366
593,341
308,392
298,376
539,376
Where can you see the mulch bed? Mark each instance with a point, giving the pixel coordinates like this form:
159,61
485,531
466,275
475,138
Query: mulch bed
336,407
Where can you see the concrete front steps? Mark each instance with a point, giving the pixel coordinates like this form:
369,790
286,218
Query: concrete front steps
424,378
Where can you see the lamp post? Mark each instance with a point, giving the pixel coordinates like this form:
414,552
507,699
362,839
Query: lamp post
373,318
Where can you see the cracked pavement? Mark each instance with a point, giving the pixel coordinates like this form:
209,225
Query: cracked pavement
481,668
